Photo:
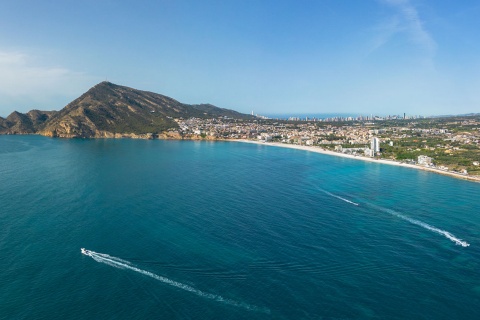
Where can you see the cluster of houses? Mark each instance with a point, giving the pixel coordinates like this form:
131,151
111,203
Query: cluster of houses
359,138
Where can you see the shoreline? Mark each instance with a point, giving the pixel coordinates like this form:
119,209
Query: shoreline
304,148
361,158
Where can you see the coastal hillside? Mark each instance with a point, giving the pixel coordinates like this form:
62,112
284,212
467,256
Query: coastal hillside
108,110
25,123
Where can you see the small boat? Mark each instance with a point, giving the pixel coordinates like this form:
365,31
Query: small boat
86,252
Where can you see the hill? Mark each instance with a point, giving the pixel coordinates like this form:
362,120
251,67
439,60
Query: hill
109,110
25,123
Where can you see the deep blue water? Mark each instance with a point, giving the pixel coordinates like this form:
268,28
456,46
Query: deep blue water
225,230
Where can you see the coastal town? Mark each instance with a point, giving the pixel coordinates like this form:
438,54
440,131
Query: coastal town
445,144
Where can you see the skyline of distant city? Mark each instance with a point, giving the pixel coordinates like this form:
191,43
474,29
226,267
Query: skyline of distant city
344,116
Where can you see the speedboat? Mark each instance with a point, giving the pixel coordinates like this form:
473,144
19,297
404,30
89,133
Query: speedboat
85,251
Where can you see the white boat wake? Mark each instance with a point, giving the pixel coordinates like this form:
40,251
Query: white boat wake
338,197
123,264
424,225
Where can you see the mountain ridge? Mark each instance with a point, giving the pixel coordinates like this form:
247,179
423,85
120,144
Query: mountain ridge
108,110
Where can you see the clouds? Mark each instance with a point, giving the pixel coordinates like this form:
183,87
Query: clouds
345,55
19,76
25,79
406,20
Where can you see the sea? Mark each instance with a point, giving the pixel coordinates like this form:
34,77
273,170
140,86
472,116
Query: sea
229,230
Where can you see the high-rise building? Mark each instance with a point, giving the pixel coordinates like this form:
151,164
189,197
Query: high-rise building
375,145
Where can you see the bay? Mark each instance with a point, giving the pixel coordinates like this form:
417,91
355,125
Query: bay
227,230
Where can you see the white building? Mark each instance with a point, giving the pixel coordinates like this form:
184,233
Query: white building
375,145
424,160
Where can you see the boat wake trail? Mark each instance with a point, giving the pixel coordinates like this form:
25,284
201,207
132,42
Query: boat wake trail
123,264
338,197
424,225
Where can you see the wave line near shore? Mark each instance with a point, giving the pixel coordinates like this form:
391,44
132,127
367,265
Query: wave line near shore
362,158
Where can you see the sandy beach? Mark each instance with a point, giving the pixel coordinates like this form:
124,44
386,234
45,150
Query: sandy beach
362,158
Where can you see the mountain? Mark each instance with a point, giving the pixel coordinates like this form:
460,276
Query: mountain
21,123
109,110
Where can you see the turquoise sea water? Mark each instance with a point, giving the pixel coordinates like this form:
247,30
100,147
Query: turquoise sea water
219,230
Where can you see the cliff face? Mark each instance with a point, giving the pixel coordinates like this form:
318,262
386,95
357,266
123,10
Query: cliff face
107,111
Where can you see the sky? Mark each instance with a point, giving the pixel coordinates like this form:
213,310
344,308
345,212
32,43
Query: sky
319,56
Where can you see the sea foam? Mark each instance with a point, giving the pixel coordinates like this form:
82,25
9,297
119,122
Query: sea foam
123,264
338,197
424,225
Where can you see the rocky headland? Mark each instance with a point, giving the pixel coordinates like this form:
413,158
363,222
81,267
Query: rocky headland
111,111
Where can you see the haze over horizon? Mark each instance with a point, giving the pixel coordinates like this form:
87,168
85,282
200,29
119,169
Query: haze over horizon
369,57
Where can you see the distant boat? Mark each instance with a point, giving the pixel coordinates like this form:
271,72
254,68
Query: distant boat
86,252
